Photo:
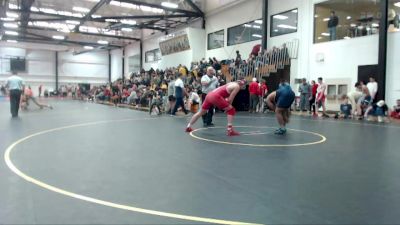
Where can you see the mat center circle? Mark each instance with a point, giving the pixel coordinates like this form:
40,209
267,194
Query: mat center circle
257,136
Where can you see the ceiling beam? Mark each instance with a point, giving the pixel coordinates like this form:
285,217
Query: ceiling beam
90,13
103,19
56,42
195,7
26,10
88,34
136,2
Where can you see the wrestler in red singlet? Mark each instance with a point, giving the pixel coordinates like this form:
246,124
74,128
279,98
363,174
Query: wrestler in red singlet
221,98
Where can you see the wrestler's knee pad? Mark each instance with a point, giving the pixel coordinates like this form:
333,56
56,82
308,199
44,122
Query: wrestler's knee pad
231,111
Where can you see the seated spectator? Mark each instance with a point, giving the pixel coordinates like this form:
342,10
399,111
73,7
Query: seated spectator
155,101
125,95
345,109
396,110
133,98
194,100
377,111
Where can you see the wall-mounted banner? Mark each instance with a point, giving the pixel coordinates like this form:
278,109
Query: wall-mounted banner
174,45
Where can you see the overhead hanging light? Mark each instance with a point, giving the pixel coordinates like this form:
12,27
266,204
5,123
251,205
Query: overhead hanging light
12,15
80,9
102,42
58,37
169,5
13,33
10,25
12,41
88,47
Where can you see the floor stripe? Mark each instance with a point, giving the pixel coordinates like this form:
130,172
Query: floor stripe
13,168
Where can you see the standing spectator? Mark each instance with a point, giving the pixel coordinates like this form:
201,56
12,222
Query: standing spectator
372,87
312,98
209,82
253,91
332,24
304,90
15,85
238,59
171,95
40,90
180,92
262,93
321,96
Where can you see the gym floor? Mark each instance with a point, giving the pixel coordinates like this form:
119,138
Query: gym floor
85,163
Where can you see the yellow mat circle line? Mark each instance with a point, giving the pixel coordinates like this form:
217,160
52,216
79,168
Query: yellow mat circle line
323,138
13,168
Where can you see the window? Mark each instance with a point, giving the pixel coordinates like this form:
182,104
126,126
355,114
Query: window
284,23
343,19
250,31
153,55
215,40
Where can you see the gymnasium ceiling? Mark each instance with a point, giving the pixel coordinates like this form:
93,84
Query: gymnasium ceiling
98,24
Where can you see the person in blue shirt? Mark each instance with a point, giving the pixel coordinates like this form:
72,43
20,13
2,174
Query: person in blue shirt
345,109
280,101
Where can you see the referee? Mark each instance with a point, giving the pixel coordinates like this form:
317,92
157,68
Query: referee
15,85
209,82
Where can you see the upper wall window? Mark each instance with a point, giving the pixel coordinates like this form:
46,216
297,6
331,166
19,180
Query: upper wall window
394,15
153,55
215,40
284,23
250,31
343,19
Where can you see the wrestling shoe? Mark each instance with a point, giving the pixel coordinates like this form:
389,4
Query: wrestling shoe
231,132
280,131
188,130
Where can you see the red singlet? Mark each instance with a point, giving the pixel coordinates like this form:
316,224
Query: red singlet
217,98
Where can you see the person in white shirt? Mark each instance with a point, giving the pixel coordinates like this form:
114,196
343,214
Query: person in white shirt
15,85
372,87
209,82
321,96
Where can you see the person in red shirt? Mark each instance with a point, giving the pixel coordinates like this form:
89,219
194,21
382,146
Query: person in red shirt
253,90
313,96
262,93
125,95
222,98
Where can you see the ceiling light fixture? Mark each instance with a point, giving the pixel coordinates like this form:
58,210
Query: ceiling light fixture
7,19
12,15
169,5
102,42
287,26
72,22
280,17
12,41
10,25
96,16
257,35
258,21
88,47
58,37
127,29
397,4
348,17
13,33
112,20
13,6
130,22
80,9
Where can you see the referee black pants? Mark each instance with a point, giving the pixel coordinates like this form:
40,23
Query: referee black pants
15,97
